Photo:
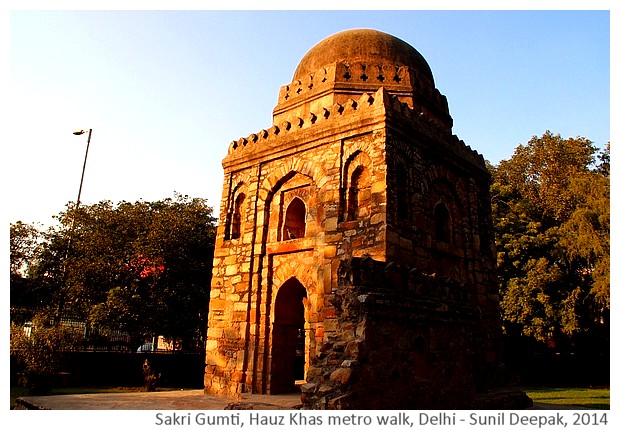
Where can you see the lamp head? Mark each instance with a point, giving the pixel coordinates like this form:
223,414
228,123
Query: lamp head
79,132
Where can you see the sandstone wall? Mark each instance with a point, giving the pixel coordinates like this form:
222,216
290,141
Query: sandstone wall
260,246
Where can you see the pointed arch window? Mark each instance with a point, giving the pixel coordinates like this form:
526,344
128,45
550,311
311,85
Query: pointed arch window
235,229
443,223
356,194
357,198
295,220
402,185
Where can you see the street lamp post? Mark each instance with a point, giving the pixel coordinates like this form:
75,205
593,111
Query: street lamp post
64,288
79,133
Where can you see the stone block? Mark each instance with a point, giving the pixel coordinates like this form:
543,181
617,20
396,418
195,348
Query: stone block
330,224
217,304
329,251
341,375
352,350
335,237
377,219
240,306
211,345
378,187
308,388
231,333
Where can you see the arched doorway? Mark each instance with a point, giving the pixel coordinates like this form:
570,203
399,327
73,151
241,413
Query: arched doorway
288,337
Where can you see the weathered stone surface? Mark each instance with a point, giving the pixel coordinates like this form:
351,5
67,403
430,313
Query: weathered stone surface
341,376
354,247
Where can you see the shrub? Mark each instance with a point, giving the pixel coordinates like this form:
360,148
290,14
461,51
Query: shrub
38,352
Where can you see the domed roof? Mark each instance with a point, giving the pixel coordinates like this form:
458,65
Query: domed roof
363,45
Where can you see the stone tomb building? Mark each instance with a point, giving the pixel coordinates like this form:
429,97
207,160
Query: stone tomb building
354,252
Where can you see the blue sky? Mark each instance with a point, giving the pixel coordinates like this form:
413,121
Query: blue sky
165,92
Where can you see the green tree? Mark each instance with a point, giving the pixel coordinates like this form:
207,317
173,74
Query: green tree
25,245
143,267
24,241
551,215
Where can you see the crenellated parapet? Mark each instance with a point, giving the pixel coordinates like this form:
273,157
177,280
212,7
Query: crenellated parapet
317,82
356,75
316,117
419,118
425,122
336,82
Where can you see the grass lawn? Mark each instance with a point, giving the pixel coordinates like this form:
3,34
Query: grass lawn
591,398
17,392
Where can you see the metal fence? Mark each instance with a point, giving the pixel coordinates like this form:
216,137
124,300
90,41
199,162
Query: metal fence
105,339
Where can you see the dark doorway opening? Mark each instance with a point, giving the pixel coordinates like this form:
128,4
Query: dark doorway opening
288,338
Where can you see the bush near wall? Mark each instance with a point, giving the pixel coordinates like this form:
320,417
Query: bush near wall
124,369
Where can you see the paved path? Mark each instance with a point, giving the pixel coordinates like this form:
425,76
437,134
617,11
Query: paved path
161,400
176,400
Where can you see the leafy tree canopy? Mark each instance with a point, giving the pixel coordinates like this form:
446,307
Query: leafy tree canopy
551,210
24,241
143,267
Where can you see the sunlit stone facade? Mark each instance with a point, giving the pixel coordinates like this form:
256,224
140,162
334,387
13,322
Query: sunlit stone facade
354,252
